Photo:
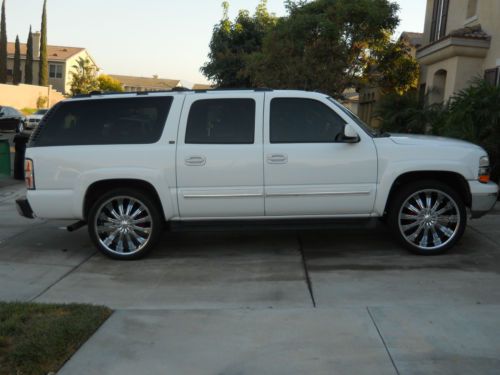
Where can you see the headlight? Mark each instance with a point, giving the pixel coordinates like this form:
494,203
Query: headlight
484,170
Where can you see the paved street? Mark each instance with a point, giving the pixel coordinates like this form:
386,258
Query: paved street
319,302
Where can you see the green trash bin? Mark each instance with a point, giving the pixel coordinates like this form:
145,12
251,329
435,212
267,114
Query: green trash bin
4,157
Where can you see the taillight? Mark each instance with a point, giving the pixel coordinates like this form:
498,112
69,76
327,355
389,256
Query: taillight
29,174
484,170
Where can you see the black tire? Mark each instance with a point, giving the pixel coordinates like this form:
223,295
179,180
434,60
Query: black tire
447,235
154,224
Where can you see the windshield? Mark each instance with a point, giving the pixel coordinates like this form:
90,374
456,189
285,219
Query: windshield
2,112
357,120
41,112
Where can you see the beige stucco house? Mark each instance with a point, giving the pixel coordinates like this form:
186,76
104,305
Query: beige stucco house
461,42
61,62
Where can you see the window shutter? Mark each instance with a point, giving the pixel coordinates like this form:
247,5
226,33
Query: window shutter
444,18
434,20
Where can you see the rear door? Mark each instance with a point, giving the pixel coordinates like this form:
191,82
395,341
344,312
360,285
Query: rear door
220,156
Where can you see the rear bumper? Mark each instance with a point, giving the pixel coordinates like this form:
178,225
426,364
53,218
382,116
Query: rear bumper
484,197
24,209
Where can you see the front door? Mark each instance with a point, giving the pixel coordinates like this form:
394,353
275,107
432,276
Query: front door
220,156
307,171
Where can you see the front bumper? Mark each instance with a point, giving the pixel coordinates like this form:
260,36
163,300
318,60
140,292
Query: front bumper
484,197
24,209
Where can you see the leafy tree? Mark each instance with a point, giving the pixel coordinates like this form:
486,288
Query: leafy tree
43,74
28,67
391,67
17,74
3,46
233,42
322,45
84,77
109,84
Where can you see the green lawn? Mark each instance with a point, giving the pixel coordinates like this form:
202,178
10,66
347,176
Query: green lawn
36,339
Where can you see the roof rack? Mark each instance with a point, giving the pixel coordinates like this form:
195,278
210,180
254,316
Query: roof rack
175,89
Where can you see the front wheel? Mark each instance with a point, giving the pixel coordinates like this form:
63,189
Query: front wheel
428,217
125,224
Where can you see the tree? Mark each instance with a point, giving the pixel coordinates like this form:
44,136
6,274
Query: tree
43,74
17,74
391,67
84,77
28,67
233,42
109,84
3,46
322,45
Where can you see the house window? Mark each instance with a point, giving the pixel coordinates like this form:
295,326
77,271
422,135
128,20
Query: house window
55,71
471,8
439,19
492,76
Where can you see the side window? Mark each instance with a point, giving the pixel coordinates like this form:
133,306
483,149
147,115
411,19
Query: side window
106,121
296,120
221,121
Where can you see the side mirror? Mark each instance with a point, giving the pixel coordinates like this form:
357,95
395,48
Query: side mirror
350,135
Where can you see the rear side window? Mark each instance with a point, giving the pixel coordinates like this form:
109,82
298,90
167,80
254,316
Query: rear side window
105,122
221,121
297,120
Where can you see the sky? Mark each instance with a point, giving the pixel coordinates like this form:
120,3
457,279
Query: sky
168,38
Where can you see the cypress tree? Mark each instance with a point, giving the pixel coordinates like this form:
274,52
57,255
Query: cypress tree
43,76
3,47
28,67
17,74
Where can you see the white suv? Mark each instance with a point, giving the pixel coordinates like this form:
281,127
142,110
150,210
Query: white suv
127,164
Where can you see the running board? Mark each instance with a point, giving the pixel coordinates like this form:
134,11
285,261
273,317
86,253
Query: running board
272,224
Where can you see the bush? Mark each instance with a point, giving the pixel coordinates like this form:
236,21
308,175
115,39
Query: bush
407,114
42,102
472,114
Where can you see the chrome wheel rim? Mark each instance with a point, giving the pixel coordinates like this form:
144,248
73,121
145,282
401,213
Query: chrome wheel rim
429,219
123,225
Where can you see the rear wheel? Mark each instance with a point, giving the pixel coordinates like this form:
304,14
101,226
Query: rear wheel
428,217
125,224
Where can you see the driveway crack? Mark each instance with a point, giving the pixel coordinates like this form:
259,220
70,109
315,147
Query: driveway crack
306,270
383,341
63,277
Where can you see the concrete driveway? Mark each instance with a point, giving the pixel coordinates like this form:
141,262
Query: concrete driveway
319,302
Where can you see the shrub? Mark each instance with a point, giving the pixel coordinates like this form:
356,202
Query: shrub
42,102
472,114
407,114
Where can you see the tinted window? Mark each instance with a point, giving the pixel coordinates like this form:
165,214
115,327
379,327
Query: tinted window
221,121
105,121
295,120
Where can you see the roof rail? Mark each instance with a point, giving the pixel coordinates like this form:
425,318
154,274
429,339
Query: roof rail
175,89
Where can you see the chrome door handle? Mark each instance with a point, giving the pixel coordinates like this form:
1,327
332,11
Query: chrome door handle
195,161
277,159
